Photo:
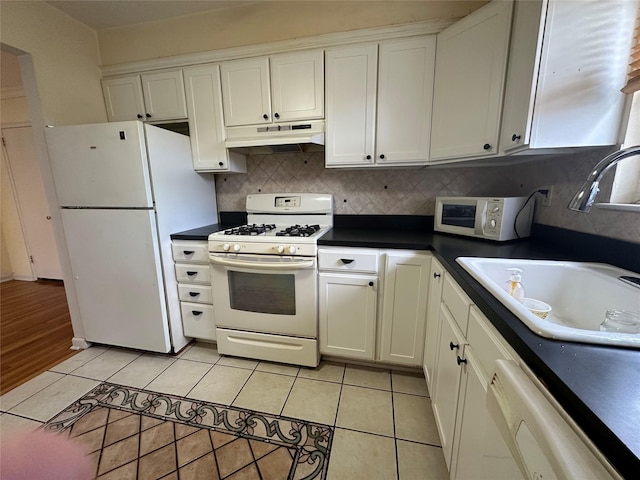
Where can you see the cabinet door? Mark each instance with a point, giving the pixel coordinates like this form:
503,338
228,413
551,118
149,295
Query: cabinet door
404,309
297,86
123,98
405,93
164,95
347,306
246,96
436,278
351,82
469,78
444,397
206,125
480,452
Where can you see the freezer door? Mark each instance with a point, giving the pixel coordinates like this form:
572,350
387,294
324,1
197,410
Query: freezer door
118,277
100,165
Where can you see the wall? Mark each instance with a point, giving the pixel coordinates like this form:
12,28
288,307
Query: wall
413,191
265,21
65,60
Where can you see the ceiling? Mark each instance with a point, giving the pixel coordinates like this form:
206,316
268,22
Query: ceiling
99,14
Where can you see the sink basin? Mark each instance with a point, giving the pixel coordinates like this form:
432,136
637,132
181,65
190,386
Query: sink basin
579,293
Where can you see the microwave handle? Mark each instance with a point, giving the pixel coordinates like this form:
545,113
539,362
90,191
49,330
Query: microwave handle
481,218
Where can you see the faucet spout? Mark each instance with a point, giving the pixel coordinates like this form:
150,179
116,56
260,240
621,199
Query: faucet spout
586,196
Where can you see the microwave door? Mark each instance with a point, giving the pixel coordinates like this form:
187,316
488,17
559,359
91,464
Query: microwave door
481,218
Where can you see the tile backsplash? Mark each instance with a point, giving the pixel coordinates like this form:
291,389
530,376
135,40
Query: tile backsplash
412,191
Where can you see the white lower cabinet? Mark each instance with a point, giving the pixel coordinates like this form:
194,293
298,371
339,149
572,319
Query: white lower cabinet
373,303
404,308
193,273
432,330
466,349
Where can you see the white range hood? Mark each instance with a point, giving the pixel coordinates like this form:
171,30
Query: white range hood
275,138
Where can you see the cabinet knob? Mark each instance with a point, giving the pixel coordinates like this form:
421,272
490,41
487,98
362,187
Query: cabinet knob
148,115
453,346
265,116
371,284
461,360
436,275
486,146
368,157
515,137
139,116
48,217
221,164
382,156
277,115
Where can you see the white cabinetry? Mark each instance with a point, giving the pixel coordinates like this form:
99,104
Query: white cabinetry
290,89
471,62
563,87
432,330
348,284
206,124
404,308
465,353
379,99
151,97
194,288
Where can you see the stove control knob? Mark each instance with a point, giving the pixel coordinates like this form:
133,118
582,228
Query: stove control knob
280,248
236,247
226,247
291,249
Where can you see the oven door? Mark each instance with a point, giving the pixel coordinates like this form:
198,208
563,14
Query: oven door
265,293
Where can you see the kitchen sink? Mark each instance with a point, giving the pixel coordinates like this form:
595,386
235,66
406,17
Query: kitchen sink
579,293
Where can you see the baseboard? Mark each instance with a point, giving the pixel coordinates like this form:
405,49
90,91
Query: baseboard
25,278
6,278
78,343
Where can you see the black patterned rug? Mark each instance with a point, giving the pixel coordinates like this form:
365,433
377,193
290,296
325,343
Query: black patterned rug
134,433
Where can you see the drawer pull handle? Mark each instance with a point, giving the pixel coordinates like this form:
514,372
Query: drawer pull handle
453,346
194,294
436,275
198,313
188,252
192,273
346,261
461,360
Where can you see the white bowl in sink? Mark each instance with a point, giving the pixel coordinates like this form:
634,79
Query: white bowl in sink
579,294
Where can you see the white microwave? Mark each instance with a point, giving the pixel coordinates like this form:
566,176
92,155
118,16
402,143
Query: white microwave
492,218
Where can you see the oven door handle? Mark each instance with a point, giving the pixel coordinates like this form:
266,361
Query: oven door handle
259,265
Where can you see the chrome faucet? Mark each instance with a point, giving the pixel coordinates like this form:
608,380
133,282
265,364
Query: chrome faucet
584,198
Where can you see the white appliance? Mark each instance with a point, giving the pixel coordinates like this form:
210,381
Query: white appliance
264,278
491,218
123,188
544,441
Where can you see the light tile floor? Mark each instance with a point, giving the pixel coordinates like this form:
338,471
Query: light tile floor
384,426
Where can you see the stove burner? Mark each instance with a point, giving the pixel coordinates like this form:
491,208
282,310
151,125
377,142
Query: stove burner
250,229
298,231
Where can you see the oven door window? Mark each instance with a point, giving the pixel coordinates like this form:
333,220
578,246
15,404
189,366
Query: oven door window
262,293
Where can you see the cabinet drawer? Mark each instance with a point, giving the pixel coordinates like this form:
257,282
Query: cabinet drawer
457,302
484,343
186,273
348,260
195,293
197,252
197,320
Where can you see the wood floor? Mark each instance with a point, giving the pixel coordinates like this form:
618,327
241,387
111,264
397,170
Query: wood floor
35,330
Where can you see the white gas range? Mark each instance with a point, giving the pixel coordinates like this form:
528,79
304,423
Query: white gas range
264,278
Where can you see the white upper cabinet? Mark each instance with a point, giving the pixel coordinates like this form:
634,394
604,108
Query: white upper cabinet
281,88
379,99
151,97
206,125
471,62
567,63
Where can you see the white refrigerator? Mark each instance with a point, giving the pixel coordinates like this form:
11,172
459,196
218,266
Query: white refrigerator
123,188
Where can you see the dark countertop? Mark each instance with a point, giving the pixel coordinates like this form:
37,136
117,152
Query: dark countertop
598,386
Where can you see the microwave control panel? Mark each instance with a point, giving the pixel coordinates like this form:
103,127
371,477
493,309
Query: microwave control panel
494,218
